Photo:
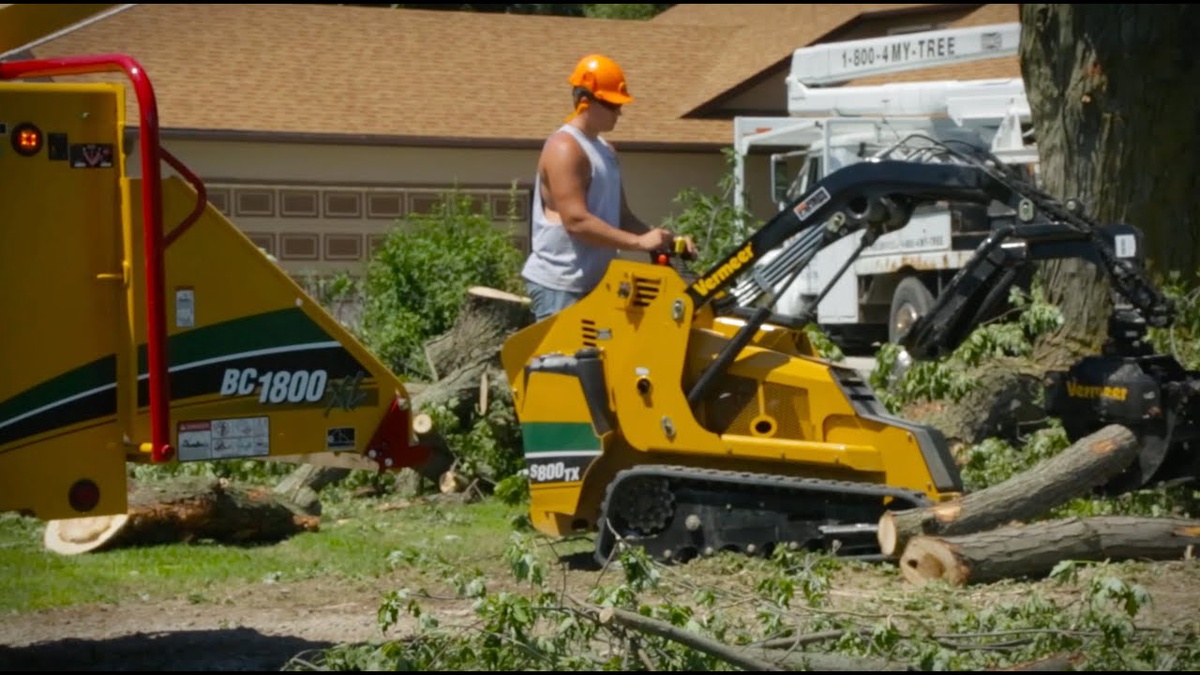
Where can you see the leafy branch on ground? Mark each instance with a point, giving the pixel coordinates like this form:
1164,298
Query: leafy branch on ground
783,613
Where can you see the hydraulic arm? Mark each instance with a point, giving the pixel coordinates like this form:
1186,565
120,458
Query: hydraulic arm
1128,383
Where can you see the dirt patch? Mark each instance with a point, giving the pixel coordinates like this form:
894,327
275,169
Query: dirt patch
252,628
266,626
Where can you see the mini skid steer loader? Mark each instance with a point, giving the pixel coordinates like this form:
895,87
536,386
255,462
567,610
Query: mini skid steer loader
658,411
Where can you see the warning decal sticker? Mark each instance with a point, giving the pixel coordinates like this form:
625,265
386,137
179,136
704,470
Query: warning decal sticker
201,440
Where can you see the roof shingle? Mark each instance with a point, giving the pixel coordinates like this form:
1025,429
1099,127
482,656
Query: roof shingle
442,75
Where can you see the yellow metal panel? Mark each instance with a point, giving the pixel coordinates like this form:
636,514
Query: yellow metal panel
250,351
60,237
257,368
778,409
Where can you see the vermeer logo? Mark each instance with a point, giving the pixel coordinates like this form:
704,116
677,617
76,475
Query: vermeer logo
815,201
1076,390
736,262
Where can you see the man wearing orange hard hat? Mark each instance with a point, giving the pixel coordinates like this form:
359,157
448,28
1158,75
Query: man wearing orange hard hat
581,217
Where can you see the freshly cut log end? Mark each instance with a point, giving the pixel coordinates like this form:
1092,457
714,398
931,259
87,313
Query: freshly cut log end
72,536
886,532
928,559
422,424
452,482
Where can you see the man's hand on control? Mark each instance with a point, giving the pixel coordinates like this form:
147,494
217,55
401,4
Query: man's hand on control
656,239
690,248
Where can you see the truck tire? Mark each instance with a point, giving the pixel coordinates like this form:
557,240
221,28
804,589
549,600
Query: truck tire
911,301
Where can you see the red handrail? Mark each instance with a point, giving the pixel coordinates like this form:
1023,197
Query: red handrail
152,230
201,197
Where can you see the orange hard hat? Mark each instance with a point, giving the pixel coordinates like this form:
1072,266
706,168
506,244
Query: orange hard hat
602,77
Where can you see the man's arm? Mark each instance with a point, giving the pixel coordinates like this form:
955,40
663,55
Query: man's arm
565,172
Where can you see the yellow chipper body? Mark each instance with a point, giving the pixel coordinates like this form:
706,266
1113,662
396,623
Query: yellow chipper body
220,356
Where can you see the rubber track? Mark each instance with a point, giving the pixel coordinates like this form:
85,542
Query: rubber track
750,483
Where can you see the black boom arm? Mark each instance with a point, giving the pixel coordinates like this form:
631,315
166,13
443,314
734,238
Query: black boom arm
873,196
876,196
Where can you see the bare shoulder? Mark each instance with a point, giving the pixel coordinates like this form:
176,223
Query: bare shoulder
561,151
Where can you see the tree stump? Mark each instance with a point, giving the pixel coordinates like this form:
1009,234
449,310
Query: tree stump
1033,550
1089,462
1003,404
487,316
181,511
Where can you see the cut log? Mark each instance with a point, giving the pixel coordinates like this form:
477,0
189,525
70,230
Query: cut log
487,315
301,487
1088,463
181,511
422,424
1033,550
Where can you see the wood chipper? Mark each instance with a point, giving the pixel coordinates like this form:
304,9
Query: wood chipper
140,325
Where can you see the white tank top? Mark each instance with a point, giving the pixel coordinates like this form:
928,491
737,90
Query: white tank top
556,259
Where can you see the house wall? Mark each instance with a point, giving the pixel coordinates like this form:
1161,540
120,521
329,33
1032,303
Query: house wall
322,208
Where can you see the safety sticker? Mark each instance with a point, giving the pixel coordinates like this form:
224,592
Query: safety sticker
339,438
201,440
195,441
1126,246
185,307
91,155
816,200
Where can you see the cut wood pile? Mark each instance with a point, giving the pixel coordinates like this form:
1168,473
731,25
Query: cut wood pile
988,535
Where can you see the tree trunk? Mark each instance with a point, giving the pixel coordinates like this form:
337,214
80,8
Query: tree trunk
183,510
1089,462
466,358
1114,92
300,487
1033,550
1005,404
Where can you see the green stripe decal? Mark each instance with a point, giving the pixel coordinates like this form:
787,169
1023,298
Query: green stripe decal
99,373
558,437
282,328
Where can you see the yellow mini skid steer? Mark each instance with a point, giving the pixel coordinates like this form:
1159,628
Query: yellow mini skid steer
659,411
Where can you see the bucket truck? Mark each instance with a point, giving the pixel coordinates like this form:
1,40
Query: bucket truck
899,277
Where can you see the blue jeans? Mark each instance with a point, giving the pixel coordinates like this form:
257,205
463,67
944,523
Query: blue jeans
547,301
